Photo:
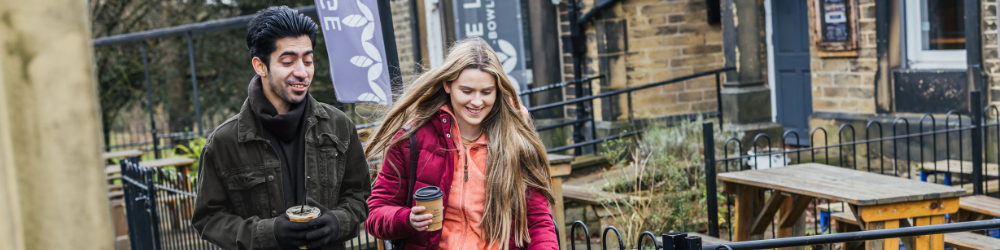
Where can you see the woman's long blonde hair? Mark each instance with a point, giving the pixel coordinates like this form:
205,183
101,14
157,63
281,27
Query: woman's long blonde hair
520,164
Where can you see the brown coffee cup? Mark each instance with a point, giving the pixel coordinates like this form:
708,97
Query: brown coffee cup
300,214
431,198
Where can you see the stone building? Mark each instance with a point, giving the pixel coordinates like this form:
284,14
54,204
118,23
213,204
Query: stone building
893,57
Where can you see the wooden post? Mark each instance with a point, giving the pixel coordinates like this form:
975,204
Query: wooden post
52,184
559,168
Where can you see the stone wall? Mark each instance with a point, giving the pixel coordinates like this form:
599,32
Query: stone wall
404,38
638,42
991,62
846,85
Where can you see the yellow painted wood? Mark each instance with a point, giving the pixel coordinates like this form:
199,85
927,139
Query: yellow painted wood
905,210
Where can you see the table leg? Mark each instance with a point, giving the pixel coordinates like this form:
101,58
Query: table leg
883,244
937,240
922,242
790,223
749,201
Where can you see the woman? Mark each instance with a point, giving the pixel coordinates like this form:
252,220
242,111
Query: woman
477,146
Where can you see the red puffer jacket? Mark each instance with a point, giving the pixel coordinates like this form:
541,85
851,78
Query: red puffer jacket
387,217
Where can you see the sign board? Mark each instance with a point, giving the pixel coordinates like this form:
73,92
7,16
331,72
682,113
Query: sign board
499,23
836,25
353,34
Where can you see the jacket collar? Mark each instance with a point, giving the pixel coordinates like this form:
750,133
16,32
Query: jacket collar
249,128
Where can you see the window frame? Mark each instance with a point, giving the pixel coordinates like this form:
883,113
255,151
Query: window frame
916,57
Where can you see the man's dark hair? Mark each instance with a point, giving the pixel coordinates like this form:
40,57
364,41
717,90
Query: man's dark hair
274,23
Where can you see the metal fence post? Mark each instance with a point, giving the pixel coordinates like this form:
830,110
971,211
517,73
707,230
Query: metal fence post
710,184
693,243
975,98
675,241
194,83
151,202
149,98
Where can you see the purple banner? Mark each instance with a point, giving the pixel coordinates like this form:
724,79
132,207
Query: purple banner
353,35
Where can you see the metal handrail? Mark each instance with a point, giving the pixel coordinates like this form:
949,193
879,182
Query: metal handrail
626,90
194,28
558,85
859,236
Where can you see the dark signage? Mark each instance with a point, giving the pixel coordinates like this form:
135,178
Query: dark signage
499,23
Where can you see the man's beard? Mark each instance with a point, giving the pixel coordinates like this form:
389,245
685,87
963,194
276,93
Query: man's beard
280,89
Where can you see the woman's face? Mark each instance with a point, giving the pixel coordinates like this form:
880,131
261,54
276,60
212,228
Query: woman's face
472,96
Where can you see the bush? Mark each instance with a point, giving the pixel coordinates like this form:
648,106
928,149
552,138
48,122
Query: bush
665,171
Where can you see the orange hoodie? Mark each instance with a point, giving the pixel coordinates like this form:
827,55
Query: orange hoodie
464,212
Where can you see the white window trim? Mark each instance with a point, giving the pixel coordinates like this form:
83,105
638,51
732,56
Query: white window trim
920,59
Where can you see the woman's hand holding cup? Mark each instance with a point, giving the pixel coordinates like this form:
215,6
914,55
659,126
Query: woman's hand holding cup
418,221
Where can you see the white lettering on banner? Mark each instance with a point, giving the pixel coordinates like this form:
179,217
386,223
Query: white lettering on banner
330,5
477,4
491,17
330,22
473,29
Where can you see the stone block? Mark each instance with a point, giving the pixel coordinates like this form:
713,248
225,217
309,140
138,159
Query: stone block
676,18
749,104
662,8
653,31
634,77
705,106
826,105
663,53
691,61
835,65
648,64
682,40
861,93
820,79
645,43
847,79
703,49
701,83
834,92
690,96
864,65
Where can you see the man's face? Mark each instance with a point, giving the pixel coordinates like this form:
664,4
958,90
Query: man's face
290,72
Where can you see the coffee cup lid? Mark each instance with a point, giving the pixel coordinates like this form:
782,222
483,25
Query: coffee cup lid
428,194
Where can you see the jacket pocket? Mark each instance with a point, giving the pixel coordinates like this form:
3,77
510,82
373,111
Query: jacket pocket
248,195
330,165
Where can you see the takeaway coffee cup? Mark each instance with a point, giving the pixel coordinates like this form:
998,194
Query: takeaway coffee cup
430,198
300,214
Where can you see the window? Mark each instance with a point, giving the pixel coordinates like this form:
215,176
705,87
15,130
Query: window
935,34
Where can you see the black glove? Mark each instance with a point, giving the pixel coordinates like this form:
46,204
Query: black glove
323,229
289,234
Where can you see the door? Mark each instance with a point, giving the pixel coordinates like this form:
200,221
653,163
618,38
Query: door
792,81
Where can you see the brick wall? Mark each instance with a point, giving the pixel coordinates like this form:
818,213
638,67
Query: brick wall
847,85
637,42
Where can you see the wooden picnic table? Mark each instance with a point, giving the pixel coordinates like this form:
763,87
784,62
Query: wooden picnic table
978,207
108,156
877,201
182,164
559,168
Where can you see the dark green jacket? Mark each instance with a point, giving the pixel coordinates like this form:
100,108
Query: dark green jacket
239,179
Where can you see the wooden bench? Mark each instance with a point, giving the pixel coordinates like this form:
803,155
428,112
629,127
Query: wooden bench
978,207
969,240
949,167
959,240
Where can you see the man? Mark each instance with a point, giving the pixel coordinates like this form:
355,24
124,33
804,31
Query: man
283,149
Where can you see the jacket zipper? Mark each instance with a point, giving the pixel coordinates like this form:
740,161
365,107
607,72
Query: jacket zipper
465,215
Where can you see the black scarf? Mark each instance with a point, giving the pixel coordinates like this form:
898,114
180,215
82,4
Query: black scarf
286,134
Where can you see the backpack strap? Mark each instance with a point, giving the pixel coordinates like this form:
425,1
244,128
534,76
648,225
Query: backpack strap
412,178
412,181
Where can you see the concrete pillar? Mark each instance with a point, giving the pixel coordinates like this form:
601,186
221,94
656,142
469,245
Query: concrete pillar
746,99
52,191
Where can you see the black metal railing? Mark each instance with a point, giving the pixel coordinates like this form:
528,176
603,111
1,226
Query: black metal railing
902,149
588,116
159,205
686,241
